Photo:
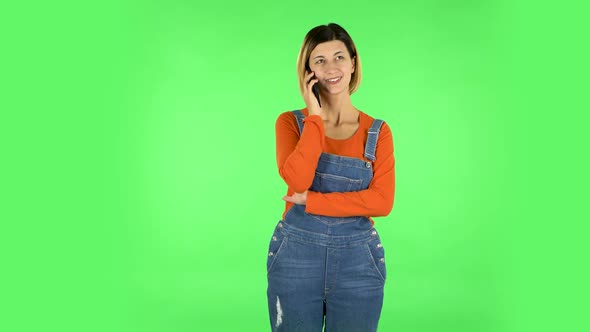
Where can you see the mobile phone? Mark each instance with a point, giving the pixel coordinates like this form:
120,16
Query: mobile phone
315,88
316,91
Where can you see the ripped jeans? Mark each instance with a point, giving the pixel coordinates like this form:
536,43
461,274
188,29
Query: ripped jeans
317,279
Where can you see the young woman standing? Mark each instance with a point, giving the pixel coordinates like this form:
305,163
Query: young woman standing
326,263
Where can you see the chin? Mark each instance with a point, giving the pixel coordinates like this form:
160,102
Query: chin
338,91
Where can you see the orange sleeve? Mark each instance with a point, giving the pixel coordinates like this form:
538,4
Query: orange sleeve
297,157
375,201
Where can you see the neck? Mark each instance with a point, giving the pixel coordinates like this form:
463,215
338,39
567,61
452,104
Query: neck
338,108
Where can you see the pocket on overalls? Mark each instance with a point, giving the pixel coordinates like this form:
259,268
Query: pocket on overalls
275,246
377,255
327,183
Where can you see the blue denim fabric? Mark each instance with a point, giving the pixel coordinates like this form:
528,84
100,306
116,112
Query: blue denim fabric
328,271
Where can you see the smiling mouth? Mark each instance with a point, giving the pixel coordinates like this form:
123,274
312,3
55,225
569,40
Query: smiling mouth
334,80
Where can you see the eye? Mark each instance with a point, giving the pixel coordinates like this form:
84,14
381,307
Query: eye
319,61
340,57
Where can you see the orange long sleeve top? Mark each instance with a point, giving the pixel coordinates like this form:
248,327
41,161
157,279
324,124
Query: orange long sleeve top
297,158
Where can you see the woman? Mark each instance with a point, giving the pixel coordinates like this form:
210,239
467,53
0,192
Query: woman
325,262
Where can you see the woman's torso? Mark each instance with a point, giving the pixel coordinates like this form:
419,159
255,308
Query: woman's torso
344,166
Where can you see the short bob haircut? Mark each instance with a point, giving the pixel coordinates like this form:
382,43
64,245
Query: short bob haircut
325,33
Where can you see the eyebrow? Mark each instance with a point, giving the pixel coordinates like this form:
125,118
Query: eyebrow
321,56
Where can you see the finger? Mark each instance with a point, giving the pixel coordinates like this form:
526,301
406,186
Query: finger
306,79
310,77
311,83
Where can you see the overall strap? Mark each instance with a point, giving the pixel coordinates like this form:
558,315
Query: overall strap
372,138
299,116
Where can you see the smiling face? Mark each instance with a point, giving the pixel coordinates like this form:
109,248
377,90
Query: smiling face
329,51
333,66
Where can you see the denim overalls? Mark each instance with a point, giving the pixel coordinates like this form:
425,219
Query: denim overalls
328,266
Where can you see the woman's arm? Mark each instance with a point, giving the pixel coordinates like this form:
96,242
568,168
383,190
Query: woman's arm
297,157
375,201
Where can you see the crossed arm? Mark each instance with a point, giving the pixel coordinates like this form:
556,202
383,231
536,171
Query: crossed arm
297,158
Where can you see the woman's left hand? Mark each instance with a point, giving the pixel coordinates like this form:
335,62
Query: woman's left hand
297,198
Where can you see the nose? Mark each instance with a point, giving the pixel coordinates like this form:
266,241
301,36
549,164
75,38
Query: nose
330,67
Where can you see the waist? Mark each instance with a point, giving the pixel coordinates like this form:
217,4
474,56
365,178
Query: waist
337,240
298,219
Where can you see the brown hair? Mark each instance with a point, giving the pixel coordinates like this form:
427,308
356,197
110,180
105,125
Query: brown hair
325,33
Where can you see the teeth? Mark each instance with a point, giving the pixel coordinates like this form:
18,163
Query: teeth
333,79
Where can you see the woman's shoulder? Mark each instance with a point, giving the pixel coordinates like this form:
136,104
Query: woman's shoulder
291,113
367,121
369,117
364,117
289,116
287,121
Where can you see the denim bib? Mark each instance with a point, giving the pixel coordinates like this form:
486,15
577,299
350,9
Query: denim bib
335,173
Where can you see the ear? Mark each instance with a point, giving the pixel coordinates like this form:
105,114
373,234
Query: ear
353,64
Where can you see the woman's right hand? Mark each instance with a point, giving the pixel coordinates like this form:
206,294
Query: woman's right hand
311,101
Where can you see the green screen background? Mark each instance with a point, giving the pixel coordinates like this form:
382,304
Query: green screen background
140,187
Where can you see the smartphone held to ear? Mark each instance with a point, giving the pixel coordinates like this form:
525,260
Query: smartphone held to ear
316,91
315,88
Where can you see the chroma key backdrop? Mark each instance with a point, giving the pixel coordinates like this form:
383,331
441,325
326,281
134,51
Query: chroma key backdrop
139,182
